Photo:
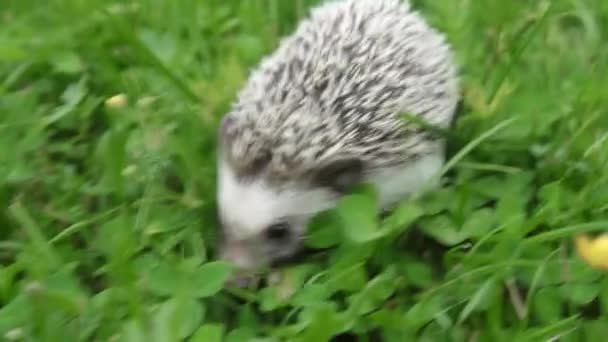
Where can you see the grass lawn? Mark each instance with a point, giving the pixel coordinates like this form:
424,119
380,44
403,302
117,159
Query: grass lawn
108,228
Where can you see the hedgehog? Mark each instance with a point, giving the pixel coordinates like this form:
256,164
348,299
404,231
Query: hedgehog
323,114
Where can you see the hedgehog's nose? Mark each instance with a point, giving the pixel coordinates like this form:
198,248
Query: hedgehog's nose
239,255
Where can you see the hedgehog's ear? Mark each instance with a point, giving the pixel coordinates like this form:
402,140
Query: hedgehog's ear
227,129
226,133
340,175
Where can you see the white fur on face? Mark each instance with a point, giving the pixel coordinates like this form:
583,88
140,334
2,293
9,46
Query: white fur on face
398,183
249,207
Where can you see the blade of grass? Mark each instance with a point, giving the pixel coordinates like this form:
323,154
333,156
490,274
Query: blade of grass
152,58
532,30
473,144
417,120
34,232
567,232
10,246
553,331
481,270
476,299
74,228
490,167
534,284
464,151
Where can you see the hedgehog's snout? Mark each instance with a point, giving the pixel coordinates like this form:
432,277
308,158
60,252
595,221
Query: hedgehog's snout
237,253
241,256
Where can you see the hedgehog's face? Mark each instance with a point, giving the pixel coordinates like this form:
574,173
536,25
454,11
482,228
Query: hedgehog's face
263,222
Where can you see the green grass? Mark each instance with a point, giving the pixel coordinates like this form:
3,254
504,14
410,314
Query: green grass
107,213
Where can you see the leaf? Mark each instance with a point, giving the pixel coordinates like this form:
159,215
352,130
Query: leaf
240,334
133,331
582,273
14,314
248,317
7,277
604,296
210,278
548,332
437,201
67,62
324,322
479,223
164,279
418,273
517,184
547,304
350,279
249,47
422,312
311,294
511,208
112,158
293,277
324,231
580,294
403,216
388,319
177,318
65,292
373,294
489,186
348,255
443,230
34,232
116,238
479,299
358,214
71,97
594,330
270,299
209,333
555,199
163,46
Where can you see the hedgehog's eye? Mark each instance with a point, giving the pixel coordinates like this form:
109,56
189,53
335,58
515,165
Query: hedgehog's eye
277,231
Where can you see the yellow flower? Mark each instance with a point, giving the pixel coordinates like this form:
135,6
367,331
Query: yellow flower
117,101
593,251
